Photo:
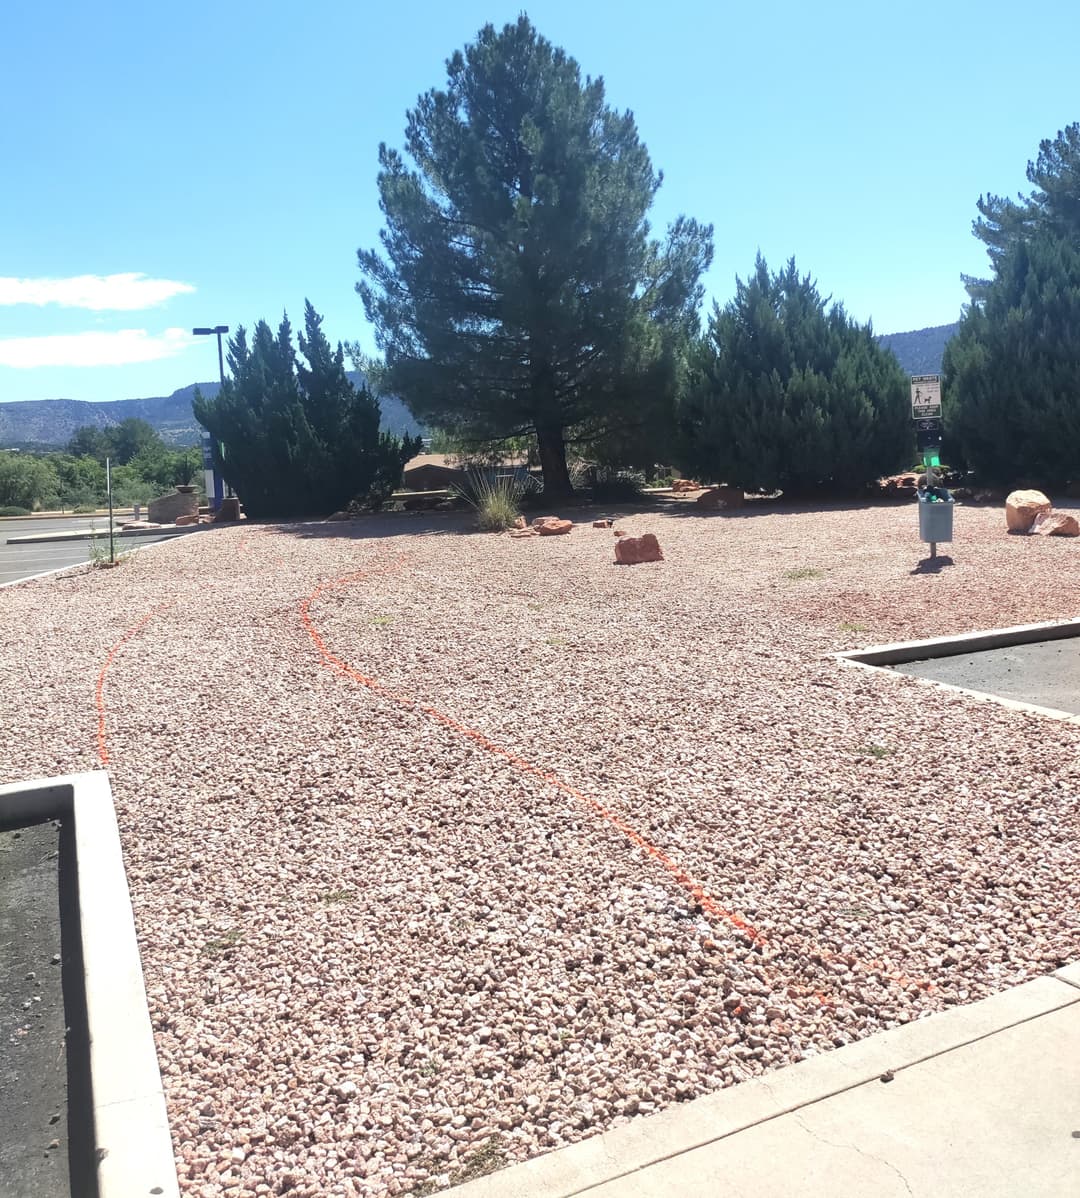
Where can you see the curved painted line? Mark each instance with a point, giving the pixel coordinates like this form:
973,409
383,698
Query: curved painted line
99,689
694,888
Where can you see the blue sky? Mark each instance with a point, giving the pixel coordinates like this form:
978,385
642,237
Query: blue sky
167,166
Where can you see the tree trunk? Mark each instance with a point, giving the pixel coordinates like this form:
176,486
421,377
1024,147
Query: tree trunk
552,447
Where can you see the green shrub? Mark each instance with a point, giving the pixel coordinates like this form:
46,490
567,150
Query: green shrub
14,510
789,393
495,498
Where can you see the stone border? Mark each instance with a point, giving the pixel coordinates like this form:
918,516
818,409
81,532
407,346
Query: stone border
131,1127
878,656
686,1127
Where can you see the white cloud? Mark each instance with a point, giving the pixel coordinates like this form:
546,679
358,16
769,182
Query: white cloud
98,293
93,349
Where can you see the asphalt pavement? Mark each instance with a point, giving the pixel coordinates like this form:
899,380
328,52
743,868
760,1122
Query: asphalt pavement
1045,673
25,561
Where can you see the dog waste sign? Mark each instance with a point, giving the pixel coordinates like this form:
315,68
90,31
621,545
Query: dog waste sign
926,396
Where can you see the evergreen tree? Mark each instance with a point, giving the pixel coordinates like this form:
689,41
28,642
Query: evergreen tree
299,439
520,292
1012,372
1053,207
791,394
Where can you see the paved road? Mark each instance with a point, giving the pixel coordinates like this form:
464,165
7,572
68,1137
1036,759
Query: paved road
24,561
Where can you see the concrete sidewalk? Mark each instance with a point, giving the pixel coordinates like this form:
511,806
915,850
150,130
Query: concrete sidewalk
981,1100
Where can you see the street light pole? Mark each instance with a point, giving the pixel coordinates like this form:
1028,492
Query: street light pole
218,329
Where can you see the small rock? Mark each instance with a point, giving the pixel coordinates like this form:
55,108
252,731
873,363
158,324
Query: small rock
1057,524
602,523
554,528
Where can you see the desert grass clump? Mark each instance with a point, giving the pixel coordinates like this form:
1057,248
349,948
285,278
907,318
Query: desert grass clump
495,498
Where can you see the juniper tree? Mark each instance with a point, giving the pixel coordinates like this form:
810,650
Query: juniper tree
299,438
791,394
1012,371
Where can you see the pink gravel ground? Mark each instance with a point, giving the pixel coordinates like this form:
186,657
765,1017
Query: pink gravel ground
494,844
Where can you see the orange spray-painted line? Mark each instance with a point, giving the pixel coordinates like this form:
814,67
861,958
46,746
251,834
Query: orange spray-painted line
708,903
99,689
698,892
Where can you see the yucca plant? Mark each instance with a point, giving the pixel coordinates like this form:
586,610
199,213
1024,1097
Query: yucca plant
495,498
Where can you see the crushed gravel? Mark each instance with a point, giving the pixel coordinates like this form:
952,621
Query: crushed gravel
447,849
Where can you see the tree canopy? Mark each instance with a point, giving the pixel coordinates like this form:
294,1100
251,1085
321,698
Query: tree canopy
299,439
1012,372
791,394
1053,207
518,290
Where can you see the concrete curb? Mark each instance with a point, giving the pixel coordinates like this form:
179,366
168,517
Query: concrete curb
131,1127
877,657
18,582
621,1155
89,534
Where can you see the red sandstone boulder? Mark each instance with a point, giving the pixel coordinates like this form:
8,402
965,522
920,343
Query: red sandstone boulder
553,528
186,520
631,551
1057,524
681,485
721,497
1022,508
517,533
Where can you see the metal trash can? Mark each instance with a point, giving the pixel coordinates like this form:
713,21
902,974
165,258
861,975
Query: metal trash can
935,520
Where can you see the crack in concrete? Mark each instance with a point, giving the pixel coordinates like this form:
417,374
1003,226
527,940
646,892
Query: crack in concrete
854,1148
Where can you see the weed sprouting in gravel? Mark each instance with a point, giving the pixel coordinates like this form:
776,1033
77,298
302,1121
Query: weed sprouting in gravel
873,750
803,574
331,897
850,626
222,944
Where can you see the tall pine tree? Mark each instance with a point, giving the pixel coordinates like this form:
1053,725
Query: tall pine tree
299,439
1053,207
518,290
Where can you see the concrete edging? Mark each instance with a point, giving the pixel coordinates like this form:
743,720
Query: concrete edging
685,1127
131,1127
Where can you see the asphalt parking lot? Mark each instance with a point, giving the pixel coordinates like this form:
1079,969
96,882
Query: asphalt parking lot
25,561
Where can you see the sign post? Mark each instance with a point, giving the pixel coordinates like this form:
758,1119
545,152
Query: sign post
935,510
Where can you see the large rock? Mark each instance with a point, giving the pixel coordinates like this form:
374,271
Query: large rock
166,508
1057,524
631,551
721,497
553,527
1022,508
681,485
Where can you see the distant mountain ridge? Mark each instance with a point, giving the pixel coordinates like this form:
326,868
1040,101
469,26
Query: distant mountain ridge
44,424
922,350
